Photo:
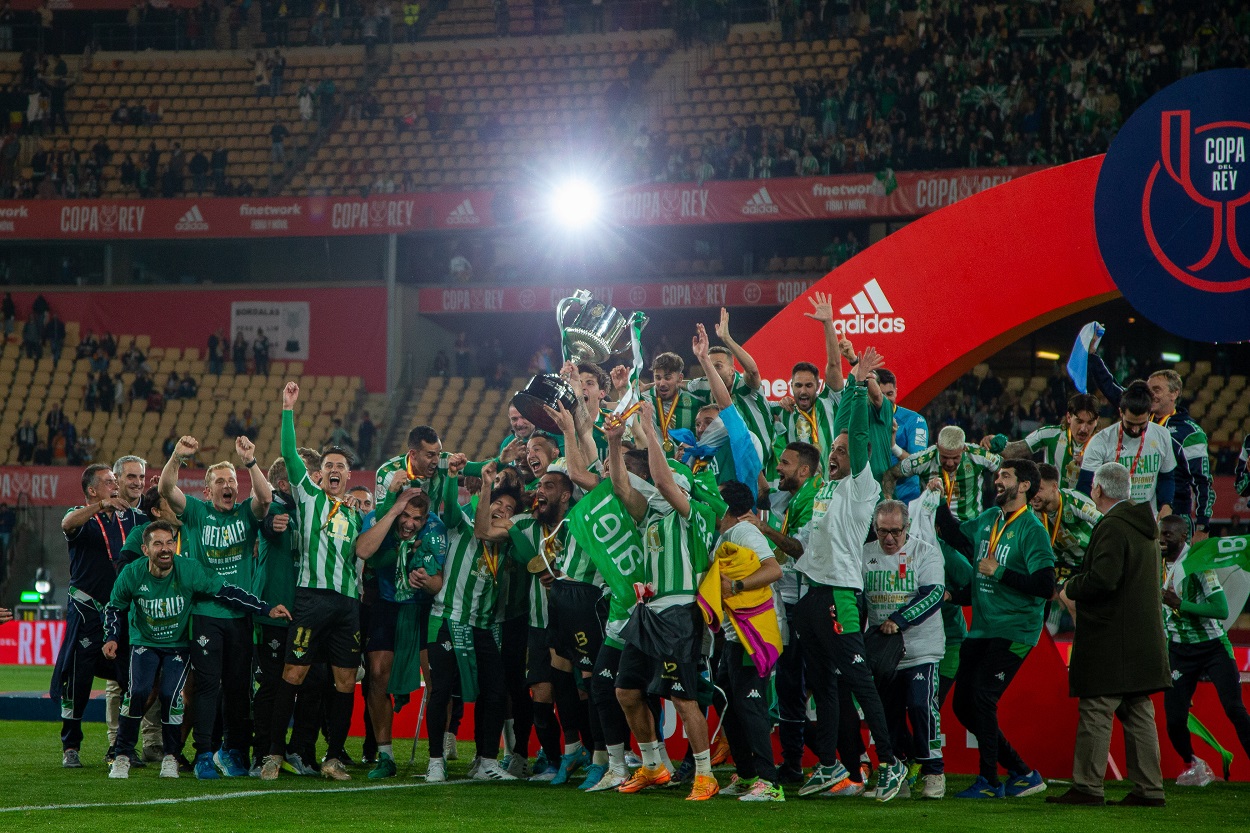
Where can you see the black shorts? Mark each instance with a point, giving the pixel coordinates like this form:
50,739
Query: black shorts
325,627
660,678
538,657
576,615
379,626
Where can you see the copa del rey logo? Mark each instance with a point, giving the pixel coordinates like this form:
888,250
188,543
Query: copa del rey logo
193,220
463,215
760,203
869,312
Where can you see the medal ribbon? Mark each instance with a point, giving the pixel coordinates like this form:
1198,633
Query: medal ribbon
1054,533
996,533
490,557
1119,446
667,419
811,420
948,484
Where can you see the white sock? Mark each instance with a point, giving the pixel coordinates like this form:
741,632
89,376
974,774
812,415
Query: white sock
703,762
573,748
509,735
650,754
385,749
599,758
616,756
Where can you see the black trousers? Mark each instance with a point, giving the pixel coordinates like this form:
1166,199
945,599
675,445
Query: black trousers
986,668
833,642
488,710
171,665
746,721
603,696
1192,662
79,663
270,650
911,707
791,696
221,657
515,642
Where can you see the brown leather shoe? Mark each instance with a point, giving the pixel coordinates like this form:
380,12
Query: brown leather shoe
1076,797
1135,800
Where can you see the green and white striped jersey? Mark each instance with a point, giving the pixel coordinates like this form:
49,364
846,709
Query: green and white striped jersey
471,575
963,489
529,537
1196,589
1058,449
677,552
327,527
679,416
1076,517
796,426
395,467
751,404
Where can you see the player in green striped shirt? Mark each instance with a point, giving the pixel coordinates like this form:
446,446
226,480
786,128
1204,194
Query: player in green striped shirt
1062,446
672,407
464,633
959,466
423,466
1069,517
1194,611
325,625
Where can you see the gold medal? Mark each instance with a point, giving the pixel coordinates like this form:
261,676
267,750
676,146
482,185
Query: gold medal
668,446
538,564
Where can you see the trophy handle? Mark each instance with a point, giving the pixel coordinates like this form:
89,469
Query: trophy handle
580,297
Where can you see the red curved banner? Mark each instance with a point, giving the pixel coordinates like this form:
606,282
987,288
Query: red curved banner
958,285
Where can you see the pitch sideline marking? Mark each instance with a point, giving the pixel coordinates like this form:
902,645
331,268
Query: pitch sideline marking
220,797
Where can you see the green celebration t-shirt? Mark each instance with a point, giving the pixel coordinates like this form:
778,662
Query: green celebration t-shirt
1023,546
160,608
224,543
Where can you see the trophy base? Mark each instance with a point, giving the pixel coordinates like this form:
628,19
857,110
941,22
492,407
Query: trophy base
542,390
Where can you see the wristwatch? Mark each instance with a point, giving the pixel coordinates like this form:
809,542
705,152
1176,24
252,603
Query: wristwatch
736,586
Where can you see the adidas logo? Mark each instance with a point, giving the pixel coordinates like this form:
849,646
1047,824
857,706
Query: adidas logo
193,220
753,694
463,215
869,312
760,203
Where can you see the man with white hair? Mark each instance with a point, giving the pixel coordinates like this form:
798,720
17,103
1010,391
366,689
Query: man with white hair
1119,651
960,466
904,580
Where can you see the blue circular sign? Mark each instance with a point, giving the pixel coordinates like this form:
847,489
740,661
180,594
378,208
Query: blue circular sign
1170,210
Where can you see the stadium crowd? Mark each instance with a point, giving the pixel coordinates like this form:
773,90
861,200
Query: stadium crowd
680,539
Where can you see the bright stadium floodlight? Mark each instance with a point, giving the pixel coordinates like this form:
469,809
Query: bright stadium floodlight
576,203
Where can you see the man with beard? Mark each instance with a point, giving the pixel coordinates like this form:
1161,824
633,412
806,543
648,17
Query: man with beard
221,534
1142,446
387,544
325,624
1069,518
423,466
1061,446
672,406
1015,575
464,634
829,617
95,534
809,418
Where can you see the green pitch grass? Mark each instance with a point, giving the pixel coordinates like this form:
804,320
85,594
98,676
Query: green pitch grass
39,795
26,678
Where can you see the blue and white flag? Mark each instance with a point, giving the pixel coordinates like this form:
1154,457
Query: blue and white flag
1086,343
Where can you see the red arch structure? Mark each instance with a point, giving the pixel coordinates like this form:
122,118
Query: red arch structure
964,282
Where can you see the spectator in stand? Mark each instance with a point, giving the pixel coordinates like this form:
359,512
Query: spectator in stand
141,387
260,353
133,358
277,135
54,419
8,522
108,343
304,100
199,172
91,394
171,386
325,101
54,332
412,20
216,354
219,161
171,442
248,425
26,438
188,388
260,74
238,353
277,70
32,338
8,311
106,392
365,433
155,402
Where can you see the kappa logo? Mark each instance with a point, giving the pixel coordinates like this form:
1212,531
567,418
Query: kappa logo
677,687
463,215
143,588
760,203
177,658
1001,676
919,676
869,312
857,658
754,694
193,220
606,673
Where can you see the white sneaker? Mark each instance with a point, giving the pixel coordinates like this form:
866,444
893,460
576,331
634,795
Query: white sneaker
1198,774
473,767
120,767
450,752
436,772
611,779
548,774
169,767
932,786
518,767
490,770
632,761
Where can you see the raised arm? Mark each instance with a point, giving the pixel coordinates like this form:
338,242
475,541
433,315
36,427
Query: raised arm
720,394
822,311
621,487
262,492
660,472
295,468
484,526
579,472
184,451
75,520
370,541
857,427
750,370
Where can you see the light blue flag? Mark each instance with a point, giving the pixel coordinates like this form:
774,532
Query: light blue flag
1078,363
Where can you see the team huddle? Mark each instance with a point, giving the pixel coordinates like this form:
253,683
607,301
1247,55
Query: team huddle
701,546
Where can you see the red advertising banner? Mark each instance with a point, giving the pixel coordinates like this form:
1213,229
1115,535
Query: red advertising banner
30,643
849,196
650,296
178,317
230,217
